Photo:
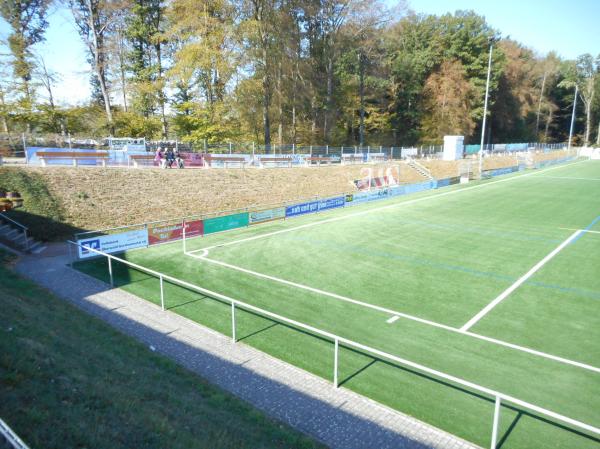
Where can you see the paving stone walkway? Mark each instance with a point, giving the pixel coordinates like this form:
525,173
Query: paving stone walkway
339,418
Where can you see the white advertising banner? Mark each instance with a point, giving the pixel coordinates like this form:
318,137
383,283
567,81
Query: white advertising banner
113,243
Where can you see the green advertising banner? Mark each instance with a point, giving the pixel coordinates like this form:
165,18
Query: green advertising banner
219,224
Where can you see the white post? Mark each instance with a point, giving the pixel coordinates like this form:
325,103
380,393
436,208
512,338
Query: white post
233,322
335,363
293,148
25,148
110,273
573,117
392,153
327,149
162,293
485,104
70,147
183,235
496,422
229,147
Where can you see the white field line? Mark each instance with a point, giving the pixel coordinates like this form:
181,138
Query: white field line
393,319
582,230
368,211
572,177
403,315
518,283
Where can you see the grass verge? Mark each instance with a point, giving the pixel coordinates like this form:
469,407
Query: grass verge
69,380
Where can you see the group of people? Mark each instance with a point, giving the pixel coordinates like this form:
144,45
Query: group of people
168,158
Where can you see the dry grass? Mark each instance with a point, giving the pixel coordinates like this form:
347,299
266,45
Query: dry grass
93,198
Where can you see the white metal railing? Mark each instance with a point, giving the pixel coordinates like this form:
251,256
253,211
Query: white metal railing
10,436
498,397
24,229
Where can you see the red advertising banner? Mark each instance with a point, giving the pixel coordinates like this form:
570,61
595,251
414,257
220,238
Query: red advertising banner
161,233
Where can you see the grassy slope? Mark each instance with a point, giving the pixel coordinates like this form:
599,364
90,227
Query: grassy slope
70,380
500,222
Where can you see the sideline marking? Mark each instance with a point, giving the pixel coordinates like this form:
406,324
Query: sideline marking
405,315
393,319
368,211
572,177
519,282
582,230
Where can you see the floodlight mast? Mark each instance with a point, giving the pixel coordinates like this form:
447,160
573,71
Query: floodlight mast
485,105
573,116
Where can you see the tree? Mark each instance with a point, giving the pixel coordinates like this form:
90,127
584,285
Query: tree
449,98
27,19
95,20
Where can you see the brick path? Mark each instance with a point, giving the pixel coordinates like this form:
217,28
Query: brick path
337,417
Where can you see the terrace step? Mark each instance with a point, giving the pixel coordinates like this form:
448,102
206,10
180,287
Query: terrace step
419,168
13,236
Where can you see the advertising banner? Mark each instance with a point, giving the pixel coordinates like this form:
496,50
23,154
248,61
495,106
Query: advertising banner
413,188
396,191
378,194
113,243
332,203
219,224
161,233
356,198
266,215
301,209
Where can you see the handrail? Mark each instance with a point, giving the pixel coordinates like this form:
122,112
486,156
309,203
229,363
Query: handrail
10,436
336,338
14,222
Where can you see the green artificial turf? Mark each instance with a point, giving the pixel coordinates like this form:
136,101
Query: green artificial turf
68,380
440,256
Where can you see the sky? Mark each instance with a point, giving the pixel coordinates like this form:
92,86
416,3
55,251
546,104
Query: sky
569,27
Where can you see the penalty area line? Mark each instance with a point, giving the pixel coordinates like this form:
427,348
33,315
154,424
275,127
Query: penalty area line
582,230
519,282
397,315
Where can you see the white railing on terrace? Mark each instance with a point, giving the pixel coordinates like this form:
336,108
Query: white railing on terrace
11,437
498,397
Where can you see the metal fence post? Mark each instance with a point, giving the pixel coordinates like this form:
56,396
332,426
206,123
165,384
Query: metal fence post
26,239
233,322
70,256
335,363
327,149
496,422
110,272
183,235
162,293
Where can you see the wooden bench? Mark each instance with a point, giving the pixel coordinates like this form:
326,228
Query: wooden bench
319,160
74,156
277,160
225,159
137,158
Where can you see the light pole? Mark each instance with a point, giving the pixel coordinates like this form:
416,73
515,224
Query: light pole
573,116
485,104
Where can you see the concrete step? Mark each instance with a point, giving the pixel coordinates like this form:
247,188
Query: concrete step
37,248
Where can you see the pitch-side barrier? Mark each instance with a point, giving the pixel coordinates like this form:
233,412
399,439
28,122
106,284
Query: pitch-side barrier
498,397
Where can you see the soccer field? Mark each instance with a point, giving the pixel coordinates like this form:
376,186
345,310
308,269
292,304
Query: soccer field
495,282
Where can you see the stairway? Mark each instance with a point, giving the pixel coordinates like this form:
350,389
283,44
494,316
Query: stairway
419,168
14,235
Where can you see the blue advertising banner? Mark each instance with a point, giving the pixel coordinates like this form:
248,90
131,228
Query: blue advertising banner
356,198
396,191
413,188
379,194
332,203
301,209
113,243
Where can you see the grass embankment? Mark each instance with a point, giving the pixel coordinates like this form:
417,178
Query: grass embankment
68,380
41,212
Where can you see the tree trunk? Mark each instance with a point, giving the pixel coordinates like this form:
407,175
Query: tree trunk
266,101
361,92
328,101
548,122
4,120
294,84
588,118
96,49
122,72
539,109
161,95
280,104
598,135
